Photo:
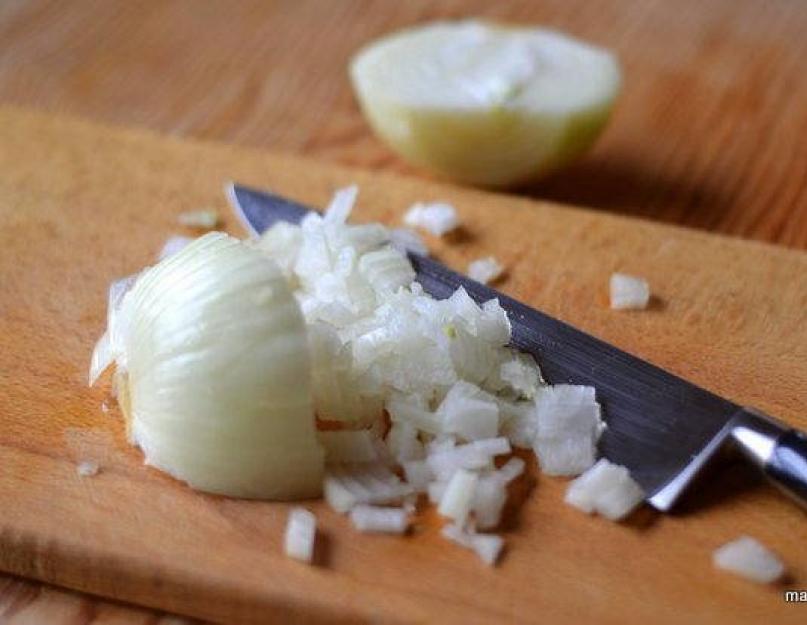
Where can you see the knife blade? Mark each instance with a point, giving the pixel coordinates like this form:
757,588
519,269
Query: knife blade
665,429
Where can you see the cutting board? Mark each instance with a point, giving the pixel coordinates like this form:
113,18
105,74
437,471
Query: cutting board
82,204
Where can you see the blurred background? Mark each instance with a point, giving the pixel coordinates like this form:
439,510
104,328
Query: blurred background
709,132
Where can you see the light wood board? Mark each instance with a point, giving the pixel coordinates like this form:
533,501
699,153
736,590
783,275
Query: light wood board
709,131
82,204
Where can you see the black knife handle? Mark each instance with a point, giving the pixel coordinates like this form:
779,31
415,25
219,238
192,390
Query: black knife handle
787,466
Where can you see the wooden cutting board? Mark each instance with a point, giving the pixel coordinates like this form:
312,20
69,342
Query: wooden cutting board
82,204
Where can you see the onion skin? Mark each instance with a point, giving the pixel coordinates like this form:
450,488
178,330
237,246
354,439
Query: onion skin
217,388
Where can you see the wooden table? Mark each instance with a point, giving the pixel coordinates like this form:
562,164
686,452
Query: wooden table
709,133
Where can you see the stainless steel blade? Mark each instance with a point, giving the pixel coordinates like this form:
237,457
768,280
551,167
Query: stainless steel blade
663,428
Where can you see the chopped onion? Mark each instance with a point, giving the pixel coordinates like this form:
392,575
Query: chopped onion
475,455
205,219
489,499
172,246
459,495
380,520
437,218
301,532
349,486
607,489
406,240
487,546
418,475
403,442
469,412
88,468
629,292
485,270
749,558
569,426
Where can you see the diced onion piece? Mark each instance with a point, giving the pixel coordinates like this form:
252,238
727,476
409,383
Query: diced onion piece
749,558
88,468
349,486
475,455
485,270
569,426
404,409
406,240
348,446
519,422
489,499
629,292
512,469
205,219
217,383
458,496
282,244
403,442
437,218
487,546
341,205
301,533
378,519
436,490
607,489
386,270
469,412
418,475
172,246
521,374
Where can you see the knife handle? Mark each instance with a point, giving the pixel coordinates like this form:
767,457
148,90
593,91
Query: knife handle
779,450
787,466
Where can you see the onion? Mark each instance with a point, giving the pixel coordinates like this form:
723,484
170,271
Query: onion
487,546
749,558
301,533
205,219
459,495
469,412
88,468
349,486
485,270
607,489
348,446
569,426
629,292
437,218
379,520
217,377
405,240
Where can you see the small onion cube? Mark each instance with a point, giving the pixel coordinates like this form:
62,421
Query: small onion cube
380,520
607,489
341,205
629,292
458,496
349,486
406,240
437,218
485,270
749,558
467,412
301,530
487,546
88,468
205,219
418,475
490,496
512,469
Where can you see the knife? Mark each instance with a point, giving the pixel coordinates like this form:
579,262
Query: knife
666,430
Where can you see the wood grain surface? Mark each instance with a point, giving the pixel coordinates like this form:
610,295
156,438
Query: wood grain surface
83,204
709,132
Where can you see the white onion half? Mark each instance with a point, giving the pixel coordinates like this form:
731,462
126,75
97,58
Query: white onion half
218,376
